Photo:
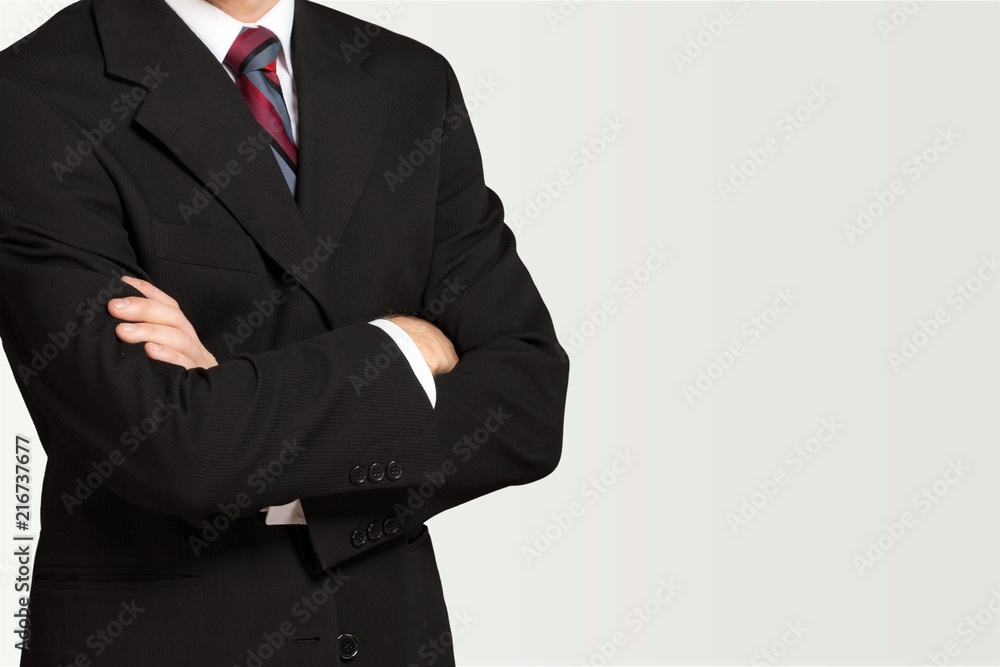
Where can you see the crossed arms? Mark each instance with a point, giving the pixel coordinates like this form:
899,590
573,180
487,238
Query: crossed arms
61,244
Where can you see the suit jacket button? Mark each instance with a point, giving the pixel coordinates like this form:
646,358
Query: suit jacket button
394,470
358,538
374,530
358,475
347,644
376,472
390,526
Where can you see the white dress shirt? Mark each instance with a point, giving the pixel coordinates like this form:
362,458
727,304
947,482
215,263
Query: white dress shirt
218,30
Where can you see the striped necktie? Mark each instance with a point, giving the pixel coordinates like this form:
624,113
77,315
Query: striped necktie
253,57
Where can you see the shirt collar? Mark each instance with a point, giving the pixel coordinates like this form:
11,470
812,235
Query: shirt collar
218,30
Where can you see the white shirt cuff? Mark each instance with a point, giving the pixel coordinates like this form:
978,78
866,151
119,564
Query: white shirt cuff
413,356
285,514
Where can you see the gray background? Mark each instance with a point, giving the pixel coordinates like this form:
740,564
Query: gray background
659,521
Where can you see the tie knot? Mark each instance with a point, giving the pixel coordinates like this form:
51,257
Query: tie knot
254,49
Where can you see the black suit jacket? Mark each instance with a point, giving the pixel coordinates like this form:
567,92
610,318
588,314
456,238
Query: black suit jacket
128,150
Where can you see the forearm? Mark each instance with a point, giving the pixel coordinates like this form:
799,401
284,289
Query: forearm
291,410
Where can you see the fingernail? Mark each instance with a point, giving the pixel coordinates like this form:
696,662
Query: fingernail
153,347
119,304
128,326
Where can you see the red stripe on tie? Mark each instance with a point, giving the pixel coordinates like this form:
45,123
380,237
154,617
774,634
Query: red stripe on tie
267,116
246,42
247,45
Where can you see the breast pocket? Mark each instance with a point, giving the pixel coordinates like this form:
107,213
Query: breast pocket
197,246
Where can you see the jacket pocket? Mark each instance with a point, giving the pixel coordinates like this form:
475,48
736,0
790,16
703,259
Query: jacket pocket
106,578
212,248
118,617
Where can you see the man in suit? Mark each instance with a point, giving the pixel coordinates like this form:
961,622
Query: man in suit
267,319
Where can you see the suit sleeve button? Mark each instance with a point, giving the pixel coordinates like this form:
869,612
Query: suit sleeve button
358,538
374,530
390,526
394,470
376,472
358,475
347,646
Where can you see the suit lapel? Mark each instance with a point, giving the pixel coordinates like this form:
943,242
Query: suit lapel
342,112
197,113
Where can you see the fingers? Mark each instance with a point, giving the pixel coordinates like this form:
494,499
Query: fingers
158,321
134,309
169,355
446,356
137,309
450,358
165,344
150,290
160,335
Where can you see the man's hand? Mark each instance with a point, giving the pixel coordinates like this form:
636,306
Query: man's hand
159,322
435,347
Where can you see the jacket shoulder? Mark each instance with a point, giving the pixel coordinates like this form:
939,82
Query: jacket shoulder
63,48
388,52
